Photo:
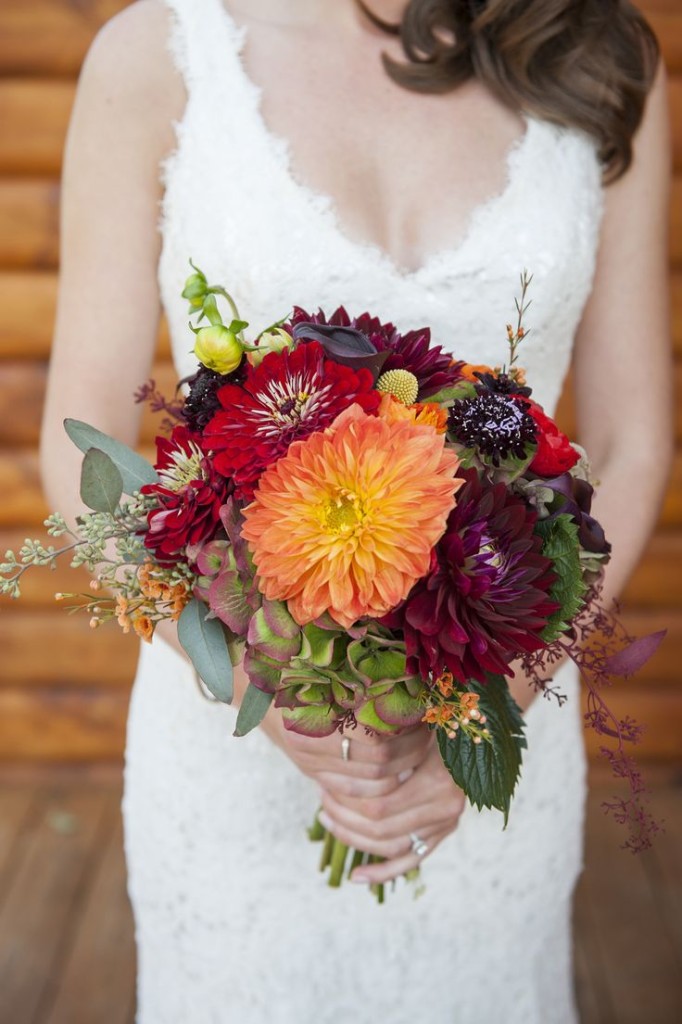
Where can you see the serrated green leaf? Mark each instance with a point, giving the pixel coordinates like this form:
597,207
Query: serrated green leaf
488,772
560,543
204,641
253,709
101,482
135,471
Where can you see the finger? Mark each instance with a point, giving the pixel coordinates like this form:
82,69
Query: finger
384,827
349,787
391,849
387,870
373,748
407,790
313,764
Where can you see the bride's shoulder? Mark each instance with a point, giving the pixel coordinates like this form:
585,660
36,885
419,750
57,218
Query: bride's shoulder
129,67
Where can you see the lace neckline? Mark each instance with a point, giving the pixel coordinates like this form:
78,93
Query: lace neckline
325,206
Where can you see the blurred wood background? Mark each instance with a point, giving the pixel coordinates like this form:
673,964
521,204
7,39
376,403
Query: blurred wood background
63,692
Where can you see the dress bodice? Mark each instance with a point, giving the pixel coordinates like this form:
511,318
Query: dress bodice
233,204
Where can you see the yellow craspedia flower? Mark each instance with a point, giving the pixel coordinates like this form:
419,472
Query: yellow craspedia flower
401,383
218,348
345,521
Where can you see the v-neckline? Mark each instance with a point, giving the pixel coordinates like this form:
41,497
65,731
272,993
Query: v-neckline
280,151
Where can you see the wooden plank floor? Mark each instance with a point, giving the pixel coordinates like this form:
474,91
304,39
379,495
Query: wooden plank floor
66,940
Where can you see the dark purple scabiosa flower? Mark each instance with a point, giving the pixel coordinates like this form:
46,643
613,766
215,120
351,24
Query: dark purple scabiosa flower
202,402
497,426
433,368
485,599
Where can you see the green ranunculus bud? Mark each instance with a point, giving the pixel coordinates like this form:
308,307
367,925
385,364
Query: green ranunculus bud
274,340
218,348
196,289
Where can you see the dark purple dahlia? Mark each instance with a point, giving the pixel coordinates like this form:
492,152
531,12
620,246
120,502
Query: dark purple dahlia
485,598
433,368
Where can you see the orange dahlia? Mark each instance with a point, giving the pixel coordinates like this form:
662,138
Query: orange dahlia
392,409
345,522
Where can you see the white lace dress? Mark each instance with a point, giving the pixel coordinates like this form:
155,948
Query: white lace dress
234,923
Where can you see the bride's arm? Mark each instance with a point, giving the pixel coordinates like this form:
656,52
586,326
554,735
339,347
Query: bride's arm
108,302
623,380
623,370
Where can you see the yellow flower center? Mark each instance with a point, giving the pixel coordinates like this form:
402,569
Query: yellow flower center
342,512
400,383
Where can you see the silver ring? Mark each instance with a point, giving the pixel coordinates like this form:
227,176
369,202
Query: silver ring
419,847
345,749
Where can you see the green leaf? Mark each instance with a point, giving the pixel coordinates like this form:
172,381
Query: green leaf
204,641
135,471
452,392
253,709
561,544
488,772
101,482
237,326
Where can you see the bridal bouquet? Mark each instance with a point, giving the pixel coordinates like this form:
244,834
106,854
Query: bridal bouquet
378,530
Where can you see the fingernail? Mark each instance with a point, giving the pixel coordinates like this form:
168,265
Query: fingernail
404,776
362,879
325,820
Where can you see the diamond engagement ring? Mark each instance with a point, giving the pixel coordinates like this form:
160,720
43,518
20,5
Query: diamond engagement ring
419,847
345,749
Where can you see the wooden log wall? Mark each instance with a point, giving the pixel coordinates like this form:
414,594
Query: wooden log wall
64,692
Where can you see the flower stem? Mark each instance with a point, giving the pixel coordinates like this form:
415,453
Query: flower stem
325,860
338,862
356,861
377,888
317,832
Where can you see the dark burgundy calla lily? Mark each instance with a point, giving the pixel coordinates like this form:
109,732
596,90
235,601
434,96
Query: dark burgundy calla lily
413,351
577,502
344,345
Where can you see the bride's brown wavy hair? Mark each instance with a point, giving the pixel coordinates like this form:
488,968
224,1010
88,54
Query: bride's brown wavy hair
582,63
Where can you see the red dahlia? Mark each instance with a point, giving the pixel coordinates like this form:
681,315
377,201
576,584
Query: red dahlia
289,396
189,496
412,351
485,598
555,454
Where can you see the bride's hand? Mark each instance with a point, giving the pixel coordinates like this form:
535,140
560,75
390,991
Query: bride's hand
375,766
428,805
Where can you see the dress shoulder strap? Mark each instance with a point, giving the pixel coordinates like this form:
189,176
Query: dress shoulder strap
205,43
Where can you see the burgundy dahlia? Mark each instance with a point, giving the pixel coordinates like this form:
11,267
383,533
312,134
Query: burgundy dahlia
288,397
433,368
485,598
189,497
